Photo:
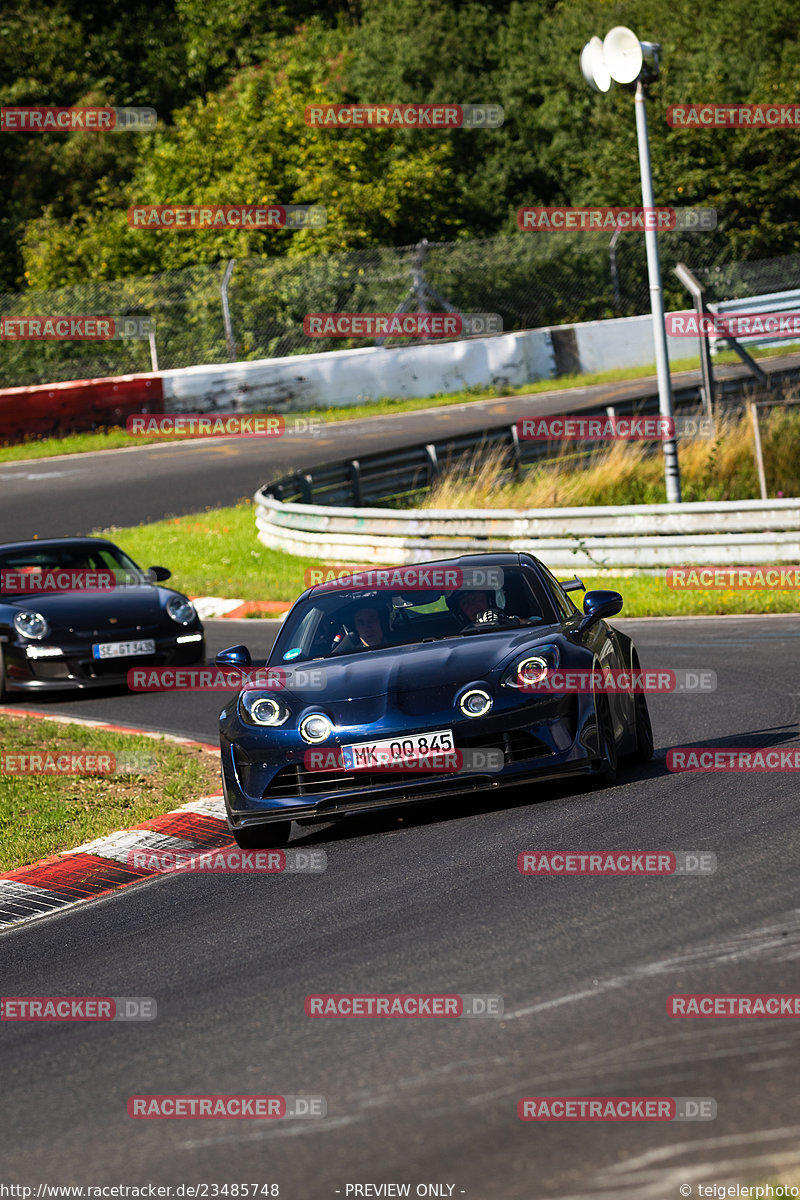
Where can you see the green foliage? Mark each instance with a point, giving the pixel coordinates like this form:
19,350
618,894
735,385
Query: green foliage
230,81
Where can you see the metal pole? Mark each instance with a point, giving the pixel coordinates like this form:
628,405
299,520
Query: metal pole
153,352
226,312
691,282
762,479
671,470
612,255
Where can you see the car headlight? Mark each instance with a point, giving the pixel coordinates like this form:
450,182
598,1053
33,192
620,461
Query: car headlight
181,610
31,625
261,709
475,703
532,669
315,728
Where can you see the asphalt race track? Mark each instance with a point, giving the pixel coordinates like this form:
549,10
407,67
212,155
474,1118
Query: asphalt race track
68,495
432,901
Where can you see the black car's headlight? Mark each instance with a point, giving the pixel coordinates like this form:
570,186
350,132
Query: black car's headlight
181,610
532,668
260,708
31,625
315,728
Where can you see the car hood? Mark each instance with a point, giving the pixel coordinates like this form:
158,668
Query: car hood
400,670
89,610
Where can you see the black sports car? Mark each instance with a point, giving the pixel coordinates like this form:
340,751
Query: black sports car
375,675
79,613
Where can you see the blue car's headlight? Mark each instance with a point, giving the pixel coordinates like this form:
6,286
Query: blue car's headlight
260,708
475,703
315,728
531,668
181,610
31,625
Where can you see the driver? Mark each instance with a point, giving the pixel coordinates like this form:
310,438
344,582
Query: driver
367,626
469,606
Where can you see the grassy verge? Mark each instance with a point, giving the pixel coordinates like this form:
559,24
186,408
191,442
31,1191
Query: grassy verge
633,472
216,553
115,438
51,813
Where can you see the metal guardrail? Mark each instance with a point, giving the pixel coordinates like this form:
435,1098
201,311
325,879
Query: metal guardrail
786,302
328,513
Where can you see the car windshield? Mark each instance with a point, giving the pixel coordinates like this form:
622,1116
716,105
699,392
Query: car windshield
347,620
34,562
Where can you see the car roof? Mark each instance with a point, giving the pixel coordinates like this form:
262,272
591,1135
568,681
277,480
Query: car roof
503,558
34,543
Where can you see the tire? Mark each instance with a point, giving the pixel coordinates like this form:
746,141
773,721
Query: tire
263,837
644,730
3,692
607,743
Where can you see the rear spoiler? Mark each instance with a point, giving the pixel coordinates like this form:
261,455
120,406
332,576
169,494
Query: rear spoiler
573,585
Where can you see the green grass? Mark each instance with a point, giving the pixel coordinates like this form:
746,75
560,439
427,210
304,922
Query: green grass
649,596
217,553
51,813
115,438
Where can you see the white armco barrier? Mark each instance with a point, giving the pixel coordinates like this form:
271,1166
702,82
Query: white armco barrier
743,532
349,377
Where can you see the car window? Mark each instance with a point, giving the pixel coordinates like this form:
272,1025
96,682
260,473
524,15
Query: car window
564,606
341,621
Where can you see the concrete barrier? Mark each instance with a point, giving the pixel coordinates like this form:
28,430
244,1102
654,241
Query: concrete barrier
58,408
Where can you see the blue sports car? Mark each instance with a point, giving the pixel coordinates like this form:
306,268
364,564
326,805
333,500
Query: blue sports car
407,684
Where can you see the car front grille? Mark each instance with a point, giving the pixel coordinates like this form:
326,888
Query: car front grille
295,781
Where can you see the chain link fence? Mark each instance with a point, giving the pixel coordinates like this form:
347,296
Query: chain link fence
530,279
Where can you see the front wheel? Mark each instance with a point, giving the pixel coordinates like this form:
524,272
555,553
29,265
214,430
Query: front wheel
263,837
3,692
606,742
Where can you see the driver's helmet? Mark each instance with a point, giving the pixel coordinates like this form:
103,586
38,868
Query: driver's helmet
495,599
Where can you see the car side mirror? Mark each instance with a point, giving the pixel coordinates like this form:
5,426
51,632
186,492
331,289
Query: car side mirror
159,574
234,656
597,606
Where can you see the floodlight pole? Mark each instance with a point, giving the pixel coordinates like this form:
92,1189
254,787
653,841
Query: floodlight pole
671,469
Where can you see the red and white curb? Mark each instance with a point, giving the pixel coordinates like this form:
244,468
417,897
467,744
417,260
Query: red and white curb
103,865
209,607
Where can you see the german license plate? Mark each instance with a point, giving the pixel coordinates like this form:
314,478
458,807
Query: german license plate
123,649
362,756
